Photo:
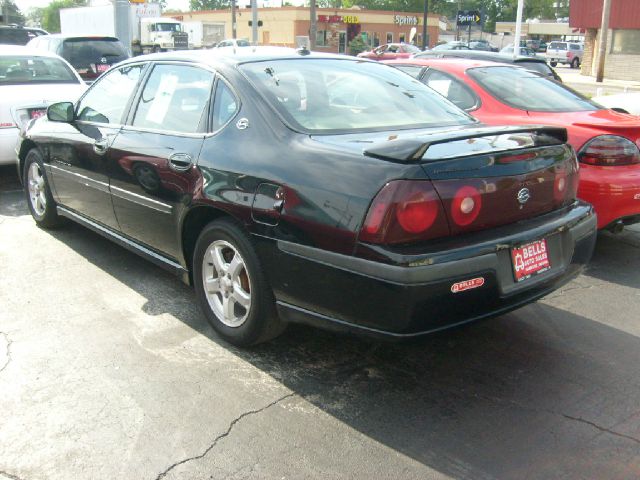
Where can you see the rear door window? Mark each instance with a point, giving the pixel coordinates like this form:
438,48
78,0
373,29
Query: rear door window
175,99
451,88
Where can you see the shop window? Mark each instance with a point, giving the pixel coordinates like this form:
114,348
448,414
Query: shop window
322,38
389,37
626,42
376,39
402,37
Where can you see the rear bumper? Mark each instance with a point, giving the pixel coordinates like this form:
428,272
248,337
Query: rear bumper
614,192
8,139
347,293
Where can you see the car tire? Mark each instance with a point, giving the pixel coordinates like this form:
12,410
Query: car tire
231,287
38,193
575,63
553,64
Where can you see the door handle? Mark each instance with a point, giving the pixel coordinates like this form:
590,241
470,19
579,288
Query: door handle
101,146
180,162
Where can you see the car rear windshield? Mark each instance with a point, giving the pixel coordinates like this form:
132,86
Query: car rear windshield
19,70
558,46
339,96
81,53
526,90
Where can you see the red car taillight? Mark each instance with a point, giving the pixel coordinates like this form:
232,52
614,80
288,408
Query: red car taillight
404,211
609,150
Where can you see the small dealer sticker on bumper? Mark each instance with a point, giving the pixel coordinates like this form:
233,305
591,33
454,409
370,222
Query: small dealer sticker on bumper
530,259
467,285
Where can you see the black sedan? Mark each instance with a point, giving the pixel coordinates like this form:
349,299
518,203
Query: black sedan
295,187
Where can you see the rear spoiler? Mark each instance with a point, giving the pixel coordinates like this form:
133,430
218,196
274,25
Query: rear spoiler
408,150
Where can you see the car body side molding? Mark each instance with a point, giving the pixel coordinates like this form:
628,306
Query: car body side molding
127,243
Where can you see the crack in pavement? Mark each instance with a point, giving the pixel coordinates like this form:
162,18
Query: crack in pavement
602,429
8,351
223,435
9,475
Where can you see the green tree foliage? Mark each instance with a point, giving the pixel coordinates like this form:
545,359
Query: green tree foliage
11,12
49,16
357,45
209,4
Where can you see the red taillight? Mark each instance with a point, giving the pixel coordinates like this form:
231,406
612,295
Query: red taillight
418,213
404,211
609,150
466,205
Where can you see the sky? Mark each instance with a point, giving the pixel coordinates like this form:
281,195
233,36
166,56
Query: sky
25,5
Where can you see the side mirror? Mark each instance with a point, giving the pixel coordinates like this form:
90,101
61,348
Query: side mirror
60,112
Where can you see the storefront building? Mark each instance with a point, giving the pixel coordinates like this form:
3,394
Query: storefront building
335,27
622,59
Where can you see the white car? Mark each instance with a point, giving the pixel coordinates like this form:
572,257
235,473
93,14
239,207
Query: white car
233,42
629,102
30,80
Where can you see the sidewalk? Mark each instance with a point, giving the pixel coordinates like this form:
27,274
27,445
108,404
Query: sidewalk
587,85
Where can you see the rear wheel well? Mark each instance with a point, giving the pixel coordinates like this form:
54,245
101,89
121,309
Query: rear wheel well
195,221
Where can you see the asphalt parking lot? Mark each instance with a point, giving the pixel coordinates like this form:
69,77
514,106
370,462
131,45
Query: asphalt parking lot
108,370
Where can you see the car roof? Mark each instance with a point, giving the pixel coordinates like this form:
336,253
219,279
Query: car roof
84,37
482,55
230,56
15,50
458,65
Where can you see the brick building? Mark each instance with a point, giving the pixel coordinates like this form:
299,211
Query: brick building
336,27
623,37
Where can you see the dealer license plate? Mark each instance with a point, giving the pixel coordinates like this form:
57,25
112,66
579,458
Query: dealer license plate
530,260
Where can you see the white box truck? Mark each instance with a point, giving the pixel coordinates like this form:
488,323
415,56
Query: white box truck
149,31
204,34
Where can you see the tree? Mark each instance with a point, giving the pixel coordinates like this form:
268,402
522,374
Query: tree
50,15
209,4
11,13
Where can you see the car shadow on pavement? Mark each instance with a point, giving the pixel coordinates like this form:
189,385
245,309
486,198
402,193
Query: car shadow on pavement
537,393
617,258
11,193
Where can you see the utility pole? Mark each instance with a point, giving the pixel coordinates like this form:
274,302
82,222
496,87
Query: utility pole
254,22
313,25
425,36
516,40
602,44
233,19
122,19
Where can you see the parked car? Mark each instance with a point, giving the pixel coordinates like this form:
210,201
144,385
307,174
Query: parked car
606,141
566,53
621,102
17,35
233,42
524,51
90,56
456,45
323,189
29,81
390,51
536,64
482,45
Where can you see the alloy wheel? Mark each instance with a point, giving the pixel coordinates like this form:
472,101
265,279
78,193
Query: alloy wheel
226,283
37,186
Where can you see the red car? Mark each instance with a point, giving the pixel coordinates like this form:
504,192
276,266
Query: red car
606,141
391,51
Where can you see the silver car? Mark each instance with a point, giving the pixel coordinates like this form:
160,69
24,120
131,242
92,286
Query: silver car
567,53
